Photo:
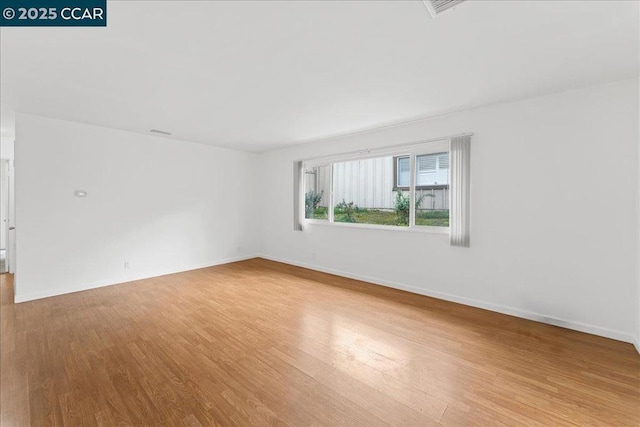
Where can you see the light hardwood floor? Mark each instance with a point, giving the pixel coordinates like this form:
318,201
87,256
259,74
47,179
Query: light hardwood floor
262,343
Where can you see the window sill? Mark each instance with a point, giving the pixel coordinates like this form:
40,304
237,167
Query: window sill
415,229
423,187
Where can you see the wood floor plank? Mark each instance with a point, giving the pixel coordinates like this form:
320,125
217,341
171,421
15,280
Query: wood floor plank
264,343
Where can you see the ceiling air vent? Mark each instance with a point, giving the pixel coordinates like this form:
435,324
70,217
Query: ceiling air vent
160,132
438,7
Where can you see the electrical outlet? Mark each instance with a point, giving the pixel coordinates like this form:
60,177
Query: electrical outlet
313,256
240,249
126,265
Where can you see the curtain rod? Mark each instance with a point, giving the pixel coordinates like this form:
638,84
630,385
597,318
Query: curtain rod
386,147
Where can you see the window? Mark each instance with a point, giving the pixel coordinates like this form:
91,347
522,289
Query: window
432,170
432,190
317,181
377,190
403,171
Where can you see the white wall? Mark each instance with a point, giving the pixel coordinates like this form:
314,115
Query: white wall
162,205
540,246
6,148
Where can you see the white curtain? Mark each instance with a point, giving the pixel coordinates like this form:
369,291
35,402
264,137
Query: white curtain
460,174
298,197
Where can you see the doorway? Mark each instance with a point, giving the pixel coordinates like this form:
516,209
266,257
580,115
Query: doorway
4,215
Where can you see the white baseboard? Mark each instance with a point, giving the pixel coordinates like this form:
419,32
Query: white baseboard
577,326
569,324
100,284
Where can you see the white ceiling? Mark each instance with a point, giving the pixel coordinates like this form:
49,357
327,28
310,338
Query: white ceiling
260,75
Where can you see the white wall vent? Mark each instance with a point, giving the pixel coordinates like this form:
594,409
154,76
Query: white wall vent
160,132
438,7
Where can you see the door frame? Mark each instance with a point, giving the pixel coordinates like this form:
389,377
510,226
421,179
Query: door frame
10,224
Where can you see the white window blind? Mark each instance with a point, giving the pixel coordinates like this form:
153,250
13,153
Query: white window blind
443,161
298,196
460,151
432,169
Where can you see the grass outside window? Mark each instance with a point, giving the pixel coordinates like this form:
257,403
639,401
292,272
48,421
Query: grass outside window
431,218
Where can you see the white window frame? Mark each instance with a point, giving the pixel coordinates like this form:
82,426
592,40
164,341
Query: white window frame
411,150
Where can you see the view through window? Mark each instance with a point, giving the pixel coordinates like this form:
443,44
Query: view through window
379,190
